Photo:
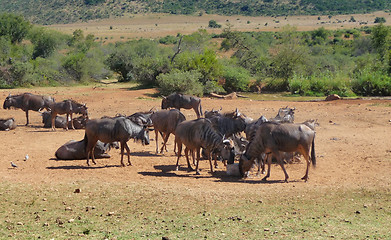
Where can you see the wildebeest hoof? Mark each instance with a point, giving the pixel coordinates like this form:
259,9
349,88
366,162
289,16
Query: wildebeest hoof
264,179
198,173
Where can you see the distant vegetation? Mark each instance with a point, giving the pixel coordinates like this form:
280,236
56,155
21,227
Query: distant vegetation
319,62
64,11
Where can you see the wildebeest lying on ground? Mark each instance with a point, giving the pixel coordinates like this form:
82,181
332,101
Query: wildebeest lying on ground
272,138
7,124
28,101
68,107
115,129
284,115
197,134
76,150
178,101
61,122
165,122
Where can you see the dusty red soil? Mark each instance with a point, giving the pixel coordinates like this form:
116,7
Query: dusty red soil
352,145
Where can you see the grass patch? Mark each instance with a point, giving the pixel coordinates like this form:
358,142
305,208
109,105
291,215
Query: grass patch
141,211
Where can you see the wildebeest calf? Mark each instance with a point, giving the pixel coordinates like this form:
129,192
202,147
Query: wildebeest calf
109,130
75,150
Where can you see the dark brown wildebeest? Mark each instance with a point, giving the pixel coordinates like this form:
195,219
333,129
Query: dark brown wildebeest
28,101
178,101
165,122
61,122
67,107
110,130
197,134
76,150
272,138
229,123
7,124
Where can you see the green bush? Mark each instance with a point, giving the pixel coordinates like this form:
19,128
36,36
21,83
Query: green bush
186,82
321,85
370,83
214,24
236,79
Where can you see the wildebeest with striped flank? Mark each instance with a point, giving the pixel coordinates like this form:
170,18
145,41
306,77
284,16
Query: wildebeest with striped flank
68,107
28,101
197,134
165,122
110,130
272,138
229,123
178,101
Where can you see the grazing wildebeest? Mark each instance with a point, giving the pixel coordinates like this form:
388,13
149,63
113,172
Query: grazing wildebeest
165,122
271,138
61,122
178,101
115,129
28,101
7,124
76,150
68,107
197,134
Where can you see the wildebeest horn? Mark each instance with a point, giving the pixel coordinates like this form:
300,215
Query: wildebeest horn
226,141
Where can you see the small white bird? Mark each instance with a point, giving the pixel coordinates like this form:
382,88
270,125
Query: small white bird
13,165
26,157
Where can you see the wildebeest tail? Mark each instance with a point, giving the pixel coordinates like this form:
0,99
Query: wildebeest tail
85,141
201,109
313,156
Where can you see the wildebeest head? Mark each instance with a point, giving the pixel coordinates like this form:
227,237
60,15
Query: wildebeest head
245,164
9,102
143,136
165,103
228,151
83,110
213,113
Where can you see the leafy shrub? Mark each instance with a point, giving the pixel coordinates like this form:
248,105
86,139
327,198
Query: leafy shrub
186,82
380,20
370,83
236,79
214,24
321,85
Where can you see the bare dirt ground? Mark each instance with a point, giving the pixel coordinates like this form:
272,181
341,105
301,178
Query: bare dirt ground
352,145
160,25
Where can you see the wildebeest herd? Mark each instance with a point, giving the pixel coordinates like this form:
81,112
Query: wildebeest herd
216,137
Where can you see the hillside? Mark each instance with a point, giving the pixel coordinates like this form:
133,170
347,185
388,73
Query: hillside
70,11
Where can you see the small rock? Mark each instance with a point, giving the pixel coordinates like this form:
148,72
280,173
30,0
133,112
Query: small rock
110,213
46,224
19,223
266,229
357,212
71,220
77,190
44,199
68,209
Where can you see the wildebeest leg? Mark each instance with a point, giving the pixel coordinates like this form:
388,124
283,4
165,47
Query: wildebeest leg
90,151
197,111
53,115
307,159
280,161
210,163
269,163
156,139
165,139
179,153
198,160
93,154
187,158
27,117
122,154
73,127
128,151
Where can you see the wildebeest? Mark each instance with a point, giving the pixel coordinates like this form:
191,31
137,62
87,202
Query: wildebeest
61,122
197,134
284,115
178,101
28,101
76,150
165,122
7,124
272,138
68,107
142,118
115,129
230,123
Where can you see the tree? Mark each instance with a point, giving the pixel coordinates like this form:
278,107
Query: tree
214,24
14,27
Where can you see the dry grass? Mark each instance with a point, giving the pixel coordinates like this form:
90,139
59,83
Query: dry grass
159,25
